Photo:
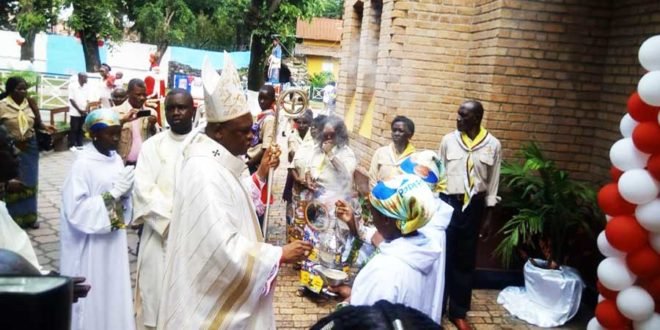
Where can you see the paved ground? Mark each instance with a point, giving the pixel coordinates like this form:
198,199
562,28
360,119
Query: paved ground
293,311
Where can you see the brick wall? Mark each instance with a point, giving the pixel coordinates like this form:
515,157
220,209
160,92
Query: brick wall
557,72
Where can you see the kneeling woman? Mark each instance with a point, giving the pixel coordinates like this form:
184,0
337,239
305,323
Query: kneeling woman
406,267
95,209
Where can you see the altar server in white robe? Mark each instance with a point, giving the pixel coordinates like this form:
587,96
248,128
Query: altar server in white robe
152,202
406,266
219,272
96,207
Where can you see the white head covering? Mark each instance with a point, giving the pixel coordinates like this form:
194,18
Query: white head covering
223,95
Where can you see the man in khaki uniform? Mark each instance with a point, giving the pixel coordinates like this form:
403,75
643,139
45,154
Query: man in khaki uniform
135,129
472,158
265,124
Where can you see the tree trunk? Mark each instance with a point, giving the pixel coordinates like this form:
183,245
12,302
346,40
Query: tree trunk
160,51
257,60
27,49
90,47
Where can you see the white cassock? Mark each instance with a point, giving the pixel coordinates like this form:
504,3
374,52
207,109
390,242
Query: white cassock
153,194
89,246
15,239
405,271
218,272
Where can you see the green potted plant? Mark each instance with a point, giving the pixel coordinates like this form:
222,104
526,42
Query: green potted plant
549,210
552,216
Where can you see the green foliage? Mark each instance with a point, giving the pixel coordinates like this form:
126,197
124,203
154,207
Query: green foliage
551,208
319,80
100,17
36,15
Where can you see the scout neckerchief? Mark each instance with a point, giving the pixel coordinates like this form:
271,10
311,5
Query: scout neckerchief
470,146
410,149
21,116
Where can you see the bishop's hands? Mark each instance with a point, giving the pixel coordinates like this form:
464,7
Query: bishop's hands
296,251
270,159
124,182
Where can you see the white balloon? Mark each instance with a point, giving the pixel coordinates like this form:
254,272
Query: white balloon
606,248
649,53
627,125
614,274
654,240
594,325
637,186
649,88
653,323
648,215
600,298
635,303
608,217
625,156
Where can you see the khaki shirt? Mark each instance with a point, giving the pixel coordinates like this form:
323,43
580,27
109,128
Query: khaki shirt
487,161
126,139
9,112
265,136
385,163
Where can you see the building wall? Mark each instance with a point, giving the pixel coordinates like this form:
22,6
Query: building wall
315,64
556,72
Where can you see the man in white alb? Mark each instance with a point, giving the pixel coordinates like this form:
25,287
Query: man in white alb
152,197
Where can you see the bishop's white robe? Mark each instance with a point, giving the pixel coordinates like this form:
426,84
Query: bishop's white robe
218,271
153,194
89,246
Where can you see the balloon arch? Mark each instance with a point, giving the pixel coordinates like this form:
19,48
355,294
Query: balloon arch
629,276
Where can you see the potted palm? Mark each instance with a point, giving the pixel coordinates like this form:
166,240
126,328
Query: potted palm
552,216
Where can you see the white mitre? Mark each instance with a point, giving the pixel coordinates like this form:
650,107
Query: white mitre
223,95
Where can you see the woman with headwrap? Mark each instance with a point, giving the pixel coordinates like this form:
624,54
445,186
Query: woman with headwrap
20,115
406,266
96,208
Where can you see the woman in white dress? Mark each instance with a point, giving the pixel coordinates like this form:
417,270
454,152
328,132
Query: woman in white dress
96,207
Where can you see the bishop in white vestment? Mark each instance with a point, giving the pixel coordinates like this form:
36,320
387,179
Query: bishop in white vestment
219,272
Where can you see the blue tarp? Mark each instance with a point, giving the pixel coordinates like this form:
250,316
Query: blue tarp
195,57
65,55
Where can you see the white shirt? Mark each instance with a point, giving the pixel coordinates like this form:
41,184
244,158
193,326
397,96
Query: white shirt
80,95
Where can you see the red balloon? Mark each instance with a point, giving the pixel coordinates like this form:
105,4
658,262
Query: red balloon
607,293
644,262
100,43
625,234
611,202
609,316
652,286
646,137
615,173
641,111
653,166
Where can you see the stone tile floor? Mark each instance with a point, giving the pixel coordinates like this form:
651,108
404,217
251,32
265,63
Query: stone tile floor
292,311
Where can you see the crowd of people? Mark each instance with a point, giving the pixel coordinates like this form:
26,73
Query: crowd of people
198,193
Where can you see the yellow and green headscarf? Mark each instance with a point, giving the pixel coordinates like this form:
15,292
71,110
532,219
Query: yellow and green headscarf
405,198
427,165
100,119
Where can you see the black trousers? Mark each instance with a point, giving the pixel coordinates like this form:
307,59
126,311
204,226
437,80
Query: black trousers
462,236
76,131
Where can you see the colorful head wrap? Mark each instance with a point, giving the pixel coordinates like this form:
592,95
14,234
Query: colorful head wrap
428,167
100,119
405,198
